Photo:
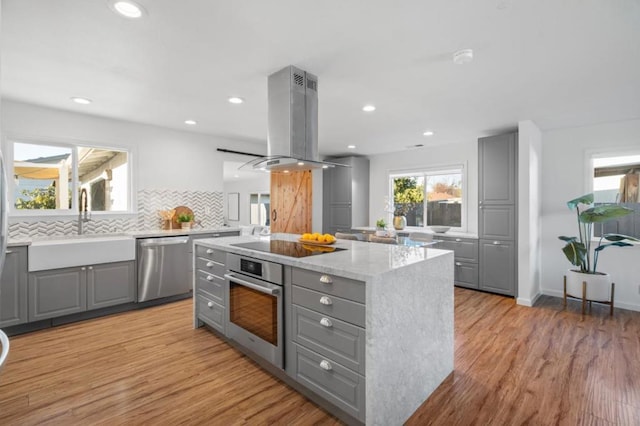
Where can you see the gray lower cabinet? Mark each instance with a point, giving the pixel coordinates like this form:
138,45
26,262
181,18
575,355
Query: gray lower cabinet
210,288
57,292
498,266
13,288
110,284
465,260
326,350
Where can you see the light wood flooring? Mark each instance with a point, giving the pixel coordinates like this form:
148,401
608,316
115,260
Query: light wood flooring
513,365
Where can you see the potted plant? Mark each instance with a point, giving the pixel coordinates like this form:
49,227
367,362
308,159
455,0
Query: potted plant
184,220
380,228
578,249
399,218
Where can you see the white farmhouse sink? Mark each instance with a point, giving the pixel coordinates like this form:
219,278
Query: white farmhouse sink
79,251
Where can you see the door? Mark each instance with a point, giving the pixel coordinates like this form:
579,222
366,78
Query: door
13,286
291,202
110,284
57,292
496,169
497,222
497,266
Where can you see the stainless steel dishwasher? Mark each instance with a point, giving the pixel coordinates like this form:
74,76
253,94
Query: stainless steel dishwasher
163,267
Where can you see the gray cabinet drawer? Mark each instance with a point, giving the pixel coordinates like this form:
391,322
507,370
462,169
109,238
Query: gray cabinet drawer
211,254
465,250
336,286
466,274
210,266
497,266
333,306
335,339
211,312
335,383
212,285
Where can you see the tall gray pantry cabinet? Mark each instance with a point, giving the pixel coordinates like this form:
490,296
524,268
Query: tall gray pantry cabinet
497,213
345,195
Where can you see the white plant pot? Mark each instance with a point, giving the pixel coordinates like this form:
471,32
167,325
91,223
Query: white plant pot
598,285
381,233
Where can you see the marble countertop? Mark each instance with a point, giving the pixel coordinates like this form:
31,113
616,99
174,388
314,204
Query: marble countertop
410,229
360,260
147,233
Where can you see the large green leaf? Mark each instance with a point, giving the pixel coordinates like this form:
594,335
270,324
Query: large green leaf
603,213
617,244
619,237
576,253
585,199
568,239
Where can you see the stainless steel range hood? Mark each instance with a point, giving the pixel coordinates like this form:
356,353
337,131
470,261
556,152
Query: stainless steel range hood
292,141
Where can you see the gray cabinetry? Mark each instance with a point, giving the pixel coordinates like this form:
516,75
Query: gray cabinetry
498,271
110,284
497,213
345,195
497,169
327,349
465,260
13,288
210,289
58,292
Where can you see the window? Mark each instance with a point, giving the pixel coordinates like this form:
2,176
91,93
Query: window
259,204
46,176
615,180
429,198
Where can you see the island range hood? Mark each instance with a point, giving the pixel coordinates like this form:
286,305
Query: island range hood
292,140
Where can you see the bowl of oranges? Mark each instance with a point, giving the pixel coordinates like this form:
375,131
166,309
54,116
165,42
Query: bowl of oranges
317,238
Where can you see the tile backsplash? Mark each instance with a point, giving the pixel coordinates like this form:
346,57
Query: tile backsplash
207,208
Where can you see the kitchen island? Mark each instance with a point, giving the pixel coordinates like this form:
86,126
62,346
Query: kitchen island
405,295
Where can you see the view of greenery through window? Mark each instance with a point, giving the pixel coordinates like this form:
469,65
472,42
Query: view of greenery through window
443,194
43,176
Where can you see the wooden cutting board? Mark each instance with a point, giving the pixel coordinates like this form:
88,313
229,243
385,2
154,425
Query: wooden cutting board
181,210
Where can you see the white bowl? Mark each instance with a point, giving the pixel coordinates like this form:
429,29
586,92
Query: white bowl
440,229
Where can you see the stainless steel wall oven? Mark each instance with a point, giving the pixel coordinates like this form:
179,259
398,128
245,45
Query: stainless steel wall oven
256,319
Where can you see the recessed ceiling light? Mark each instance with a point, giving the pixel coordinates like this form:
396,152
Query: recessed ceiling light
236,100
300,163
428,133
127,8
190,122
81,101
463,56
325,167
368,108
351,146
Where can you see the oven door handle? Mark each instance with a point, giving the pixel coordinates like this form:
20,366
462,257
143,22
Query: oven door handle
271,291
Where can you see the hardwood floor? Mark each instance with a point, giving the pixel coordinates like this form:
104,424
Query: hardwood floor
514,365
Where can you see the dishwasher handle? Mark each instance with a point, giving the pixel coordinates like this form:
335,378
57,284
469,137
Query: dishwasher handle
161,242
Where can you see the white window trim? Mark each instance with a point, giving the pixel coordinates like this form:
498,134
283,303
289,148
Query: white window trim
58,214
431,170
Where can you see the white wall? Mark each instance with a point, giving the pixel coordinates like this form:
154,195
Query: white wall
162,158
465,153
529,212
565,176
245,187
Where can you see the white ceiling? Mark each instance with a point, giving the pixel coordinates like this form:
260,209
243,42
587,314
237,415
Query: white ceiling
558,63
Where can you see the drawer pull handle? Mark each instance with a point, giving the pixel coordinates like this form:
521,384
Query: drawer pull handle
326,301
496,243
326,279
209,251
458,264
210,304
325,365
458,240
209,264
210,278
326,322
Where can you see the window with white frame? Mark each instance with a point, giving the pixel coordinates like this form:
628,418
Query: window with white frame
45,177
430,197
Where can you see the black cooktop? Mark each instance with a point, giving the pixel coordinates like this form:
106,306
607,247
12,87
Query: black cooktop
288,248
